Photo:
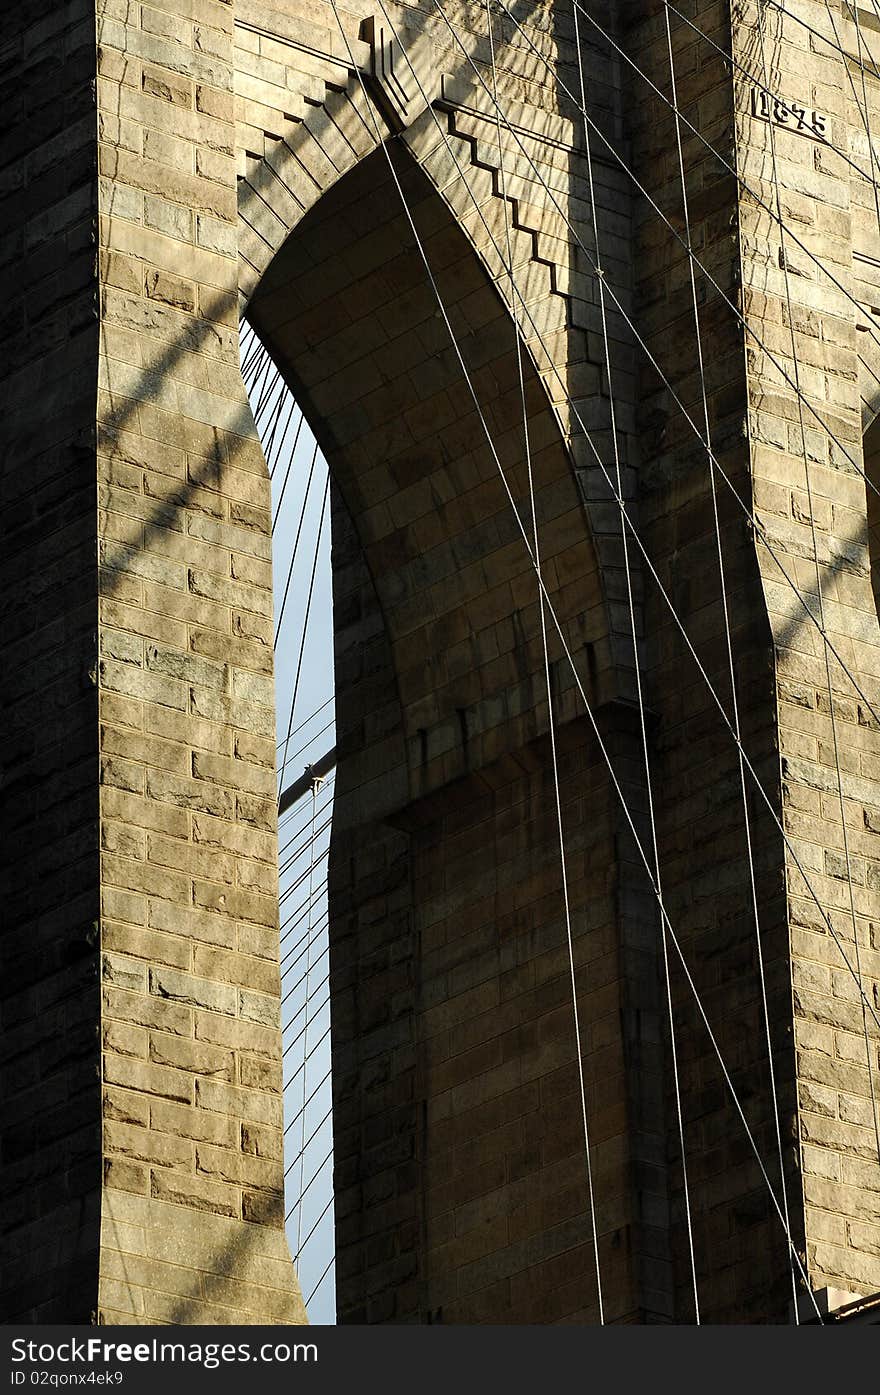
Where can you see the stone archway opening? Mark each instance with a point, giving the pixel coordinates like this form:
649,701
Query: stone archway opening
452,1013
301,635
351,318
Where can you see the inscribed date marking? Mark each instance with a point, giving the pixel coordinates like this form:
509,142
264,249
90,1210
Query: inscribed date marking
790,115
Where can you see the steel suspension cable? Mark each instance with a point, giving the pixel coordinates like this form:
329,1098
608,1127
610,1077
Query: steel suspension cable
319,924
320,1040
305,721
269,386
322,1081
311,1138
637,663
300,852
302,828
283,403
308,1022
297,916
314,1177
307,973
594,1223
300,918
289,464
314,1226
331,1261
303,876
312,964
283,607
308,611
730,660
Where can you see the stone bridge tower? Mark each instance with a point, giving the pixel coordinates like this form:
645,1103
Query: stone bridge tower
170,164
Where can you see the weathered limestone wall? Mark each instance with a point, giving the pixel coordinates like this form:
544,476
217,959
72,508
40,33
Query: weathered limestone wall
180,719
192,1070
829,1142
227,158
811,501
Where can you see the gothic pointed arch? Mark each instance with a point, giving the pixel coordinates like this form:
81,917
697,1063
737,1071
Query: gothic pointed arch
447,142
448,938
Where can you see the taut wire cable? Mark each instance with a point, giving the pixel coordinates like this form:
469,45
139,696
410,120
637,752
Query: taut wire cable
729,645
594,1220
637,672
308,611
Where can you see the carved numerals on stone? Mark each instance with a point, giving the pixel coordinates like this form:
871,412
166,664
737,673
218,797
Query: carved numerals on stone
792,116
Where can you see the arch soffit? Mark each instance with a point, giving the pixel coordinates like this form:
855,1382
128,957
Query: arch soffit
296,170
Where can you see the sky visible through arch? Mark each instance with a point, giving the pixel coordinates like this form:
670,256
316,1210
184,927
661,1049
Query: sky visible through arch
305,731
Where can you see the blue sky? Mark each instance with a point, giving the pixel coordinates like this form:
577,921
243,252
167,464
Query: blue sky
304,646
